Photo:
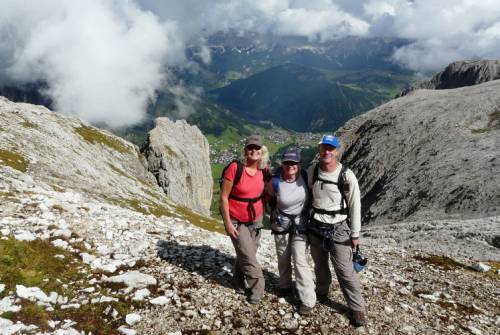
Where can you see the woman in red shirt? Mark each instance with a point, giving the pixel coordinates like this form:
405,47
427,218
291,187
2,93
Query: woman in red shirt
242,211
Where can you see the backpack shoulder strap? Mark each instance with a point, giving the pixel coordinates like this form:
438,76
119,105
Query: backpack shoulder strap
276,181
315,173
303,173
343,187
239,171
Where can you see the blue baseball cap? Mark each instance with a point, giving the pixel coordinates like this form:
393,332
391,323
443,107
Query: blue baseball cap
330,140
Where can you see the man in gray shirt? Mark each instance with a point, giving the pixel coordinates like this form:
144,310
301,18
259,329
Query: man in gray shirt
334,226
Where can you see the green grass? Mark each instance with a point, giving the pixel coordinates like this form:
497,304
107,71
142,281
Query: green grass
229,136
33,264
449,264
28,124
57,188
443,262
216,174
93,135
217,171
14,160
493,124
148,207
7,194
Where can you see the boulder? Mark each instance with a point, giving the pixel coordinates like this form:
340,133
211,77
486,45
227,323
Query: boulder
134,279
178,156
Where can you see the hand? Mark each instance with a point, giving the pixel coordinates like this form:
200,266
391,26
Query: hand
354,243
231,231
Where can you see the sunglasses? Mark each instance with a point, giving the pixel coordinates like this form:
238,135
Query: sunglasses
288,163
252,147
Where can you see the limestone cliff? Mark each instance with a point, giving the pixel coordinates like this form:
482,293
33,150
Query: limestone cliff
179,157
433,153
70,155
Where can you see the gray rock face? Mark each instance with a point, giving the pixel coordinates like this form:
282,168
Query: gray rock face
178,155
433,153
69,154
460,74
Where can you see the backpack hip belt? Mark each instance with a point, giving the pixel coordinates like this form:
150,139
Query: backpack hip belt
250,201
293,227
325,232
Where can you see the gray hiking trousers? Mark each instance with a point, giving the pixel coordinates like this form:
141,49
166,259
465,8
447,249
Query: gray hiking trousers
247,272
293,247
341,256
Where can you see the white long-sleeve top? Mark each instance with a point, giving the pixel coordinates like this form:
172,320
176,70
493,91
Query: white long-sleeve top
329,198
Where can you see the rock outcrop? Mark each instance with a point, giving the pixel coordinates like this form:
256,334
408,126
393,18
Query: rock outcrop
179,157
460,74
433,153
73,156
70,154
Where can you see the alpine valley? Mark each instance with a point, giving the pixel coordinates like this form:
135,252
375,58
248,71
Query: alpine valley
106,231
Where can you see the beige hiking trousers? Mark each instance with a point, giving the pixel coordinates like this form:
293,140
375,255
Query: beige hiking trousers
293,247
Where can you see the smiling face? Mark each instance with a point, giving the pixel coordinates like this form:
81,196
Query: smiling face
290,169
253,153
327,154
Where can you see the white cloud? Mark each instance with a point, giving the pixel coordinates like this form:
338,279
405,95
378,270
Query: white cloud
102,60
442,31
284,17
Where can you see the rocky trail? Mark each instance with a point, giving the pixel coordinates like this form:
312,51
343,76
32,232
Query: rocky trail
139,274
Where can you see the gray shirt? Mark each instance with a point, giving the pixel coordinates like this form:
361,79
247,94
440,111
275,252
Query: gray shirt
291,199
328,197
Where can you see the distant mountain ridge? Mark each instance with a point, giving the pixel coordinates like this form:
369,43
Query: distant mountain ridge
460,74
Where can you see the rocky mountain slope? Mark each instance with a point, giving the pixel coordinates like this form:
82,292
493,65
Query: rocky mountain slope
71,155
460,74
431,154
138,274
72,261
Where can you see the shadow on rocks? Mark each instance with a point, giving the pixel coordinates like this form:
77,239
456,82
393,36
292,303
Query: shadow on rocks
338,307
207,262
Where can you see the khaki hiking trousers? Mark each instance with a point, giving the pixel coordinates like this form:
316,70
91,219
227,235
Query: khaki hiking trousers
341,257
247,272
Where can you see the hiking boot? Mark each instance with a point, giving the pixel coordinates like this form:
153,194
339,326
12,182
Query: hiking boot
239,286
254,299
304,310
322,298
284,292
357,318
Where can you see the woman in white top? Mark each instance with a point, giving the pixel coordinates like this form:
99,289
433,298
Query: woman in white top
289,218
